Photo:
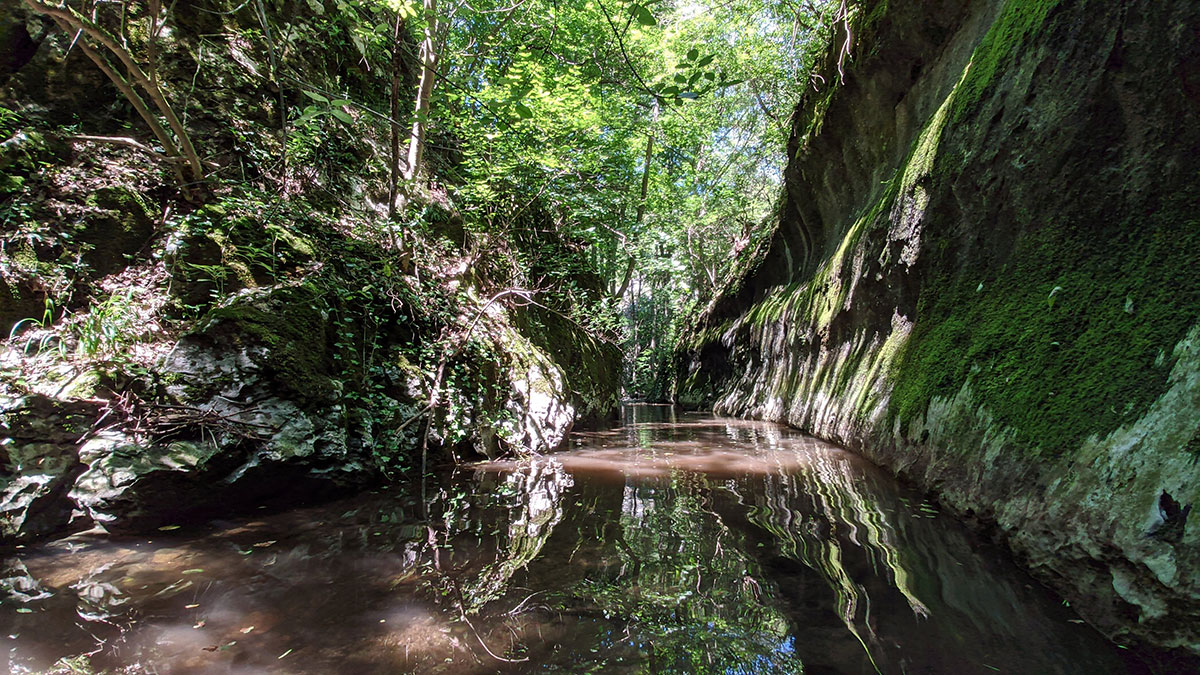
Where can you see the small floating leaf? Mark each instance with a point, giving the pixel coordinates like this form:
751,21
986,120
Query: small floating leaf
247,629
168,528
283,654
194,570
24,610
190,606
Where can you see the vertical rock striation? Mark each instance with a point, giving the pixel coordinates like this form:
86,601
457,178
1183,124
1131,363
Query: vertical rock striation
986,276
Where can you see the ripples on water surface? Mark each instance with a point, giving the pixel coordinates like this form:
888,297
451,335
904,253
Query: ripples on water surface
687,544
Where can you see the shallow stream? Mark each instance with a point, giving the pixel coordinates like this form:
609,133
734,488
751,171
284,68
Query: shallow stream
669,543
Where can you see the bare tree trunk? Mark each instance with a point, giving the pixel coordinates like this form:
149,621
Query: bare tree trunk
134,99
628,276
429,60
641,207
266,26
394,113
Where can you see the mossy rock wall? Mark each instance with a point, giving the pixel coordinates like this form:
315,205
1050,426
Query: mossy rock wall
986,275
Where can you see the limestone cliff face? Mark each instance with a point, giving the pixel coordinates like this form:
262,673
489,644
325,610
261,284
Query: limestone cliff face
986,276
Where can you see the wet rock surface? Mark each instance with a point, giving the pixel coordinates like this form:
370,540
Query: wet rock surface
983,278
250,415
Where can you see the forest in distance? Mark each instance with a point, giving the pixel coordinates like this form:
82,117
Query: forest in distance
647,137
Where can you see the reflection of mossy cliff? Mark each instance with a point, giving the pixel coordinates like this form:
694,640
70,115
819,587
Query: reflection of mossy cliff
987,276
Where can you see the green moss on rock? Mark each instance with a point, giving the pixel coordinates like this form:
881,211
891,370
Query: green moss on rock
291,330
120,226
1069,339
1018,21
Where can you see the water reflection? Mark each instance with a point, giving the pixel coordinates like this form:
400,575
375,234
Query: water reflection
666,544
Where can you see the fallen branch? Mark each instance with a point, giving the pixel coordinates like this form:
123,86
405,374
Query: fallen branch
129,143
166,421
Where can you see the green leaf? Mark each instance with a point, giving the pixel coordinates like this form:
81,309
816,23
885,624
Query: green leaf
523,111
309,113
642,15
341,102
689,94
693,53
705,61
681,78
314,96
341,115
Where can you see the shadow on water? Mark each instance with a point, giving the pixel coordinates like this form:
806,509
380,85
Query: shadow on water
665,544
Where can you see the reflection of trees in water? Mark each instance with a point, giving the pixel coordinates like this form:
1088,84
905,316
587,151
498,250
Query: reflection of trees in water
836,496
688,589
684,583
688,572
814,514
662,571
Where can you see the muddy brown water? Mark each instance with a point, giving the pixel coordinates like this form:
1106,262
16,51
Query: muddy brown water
668,543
